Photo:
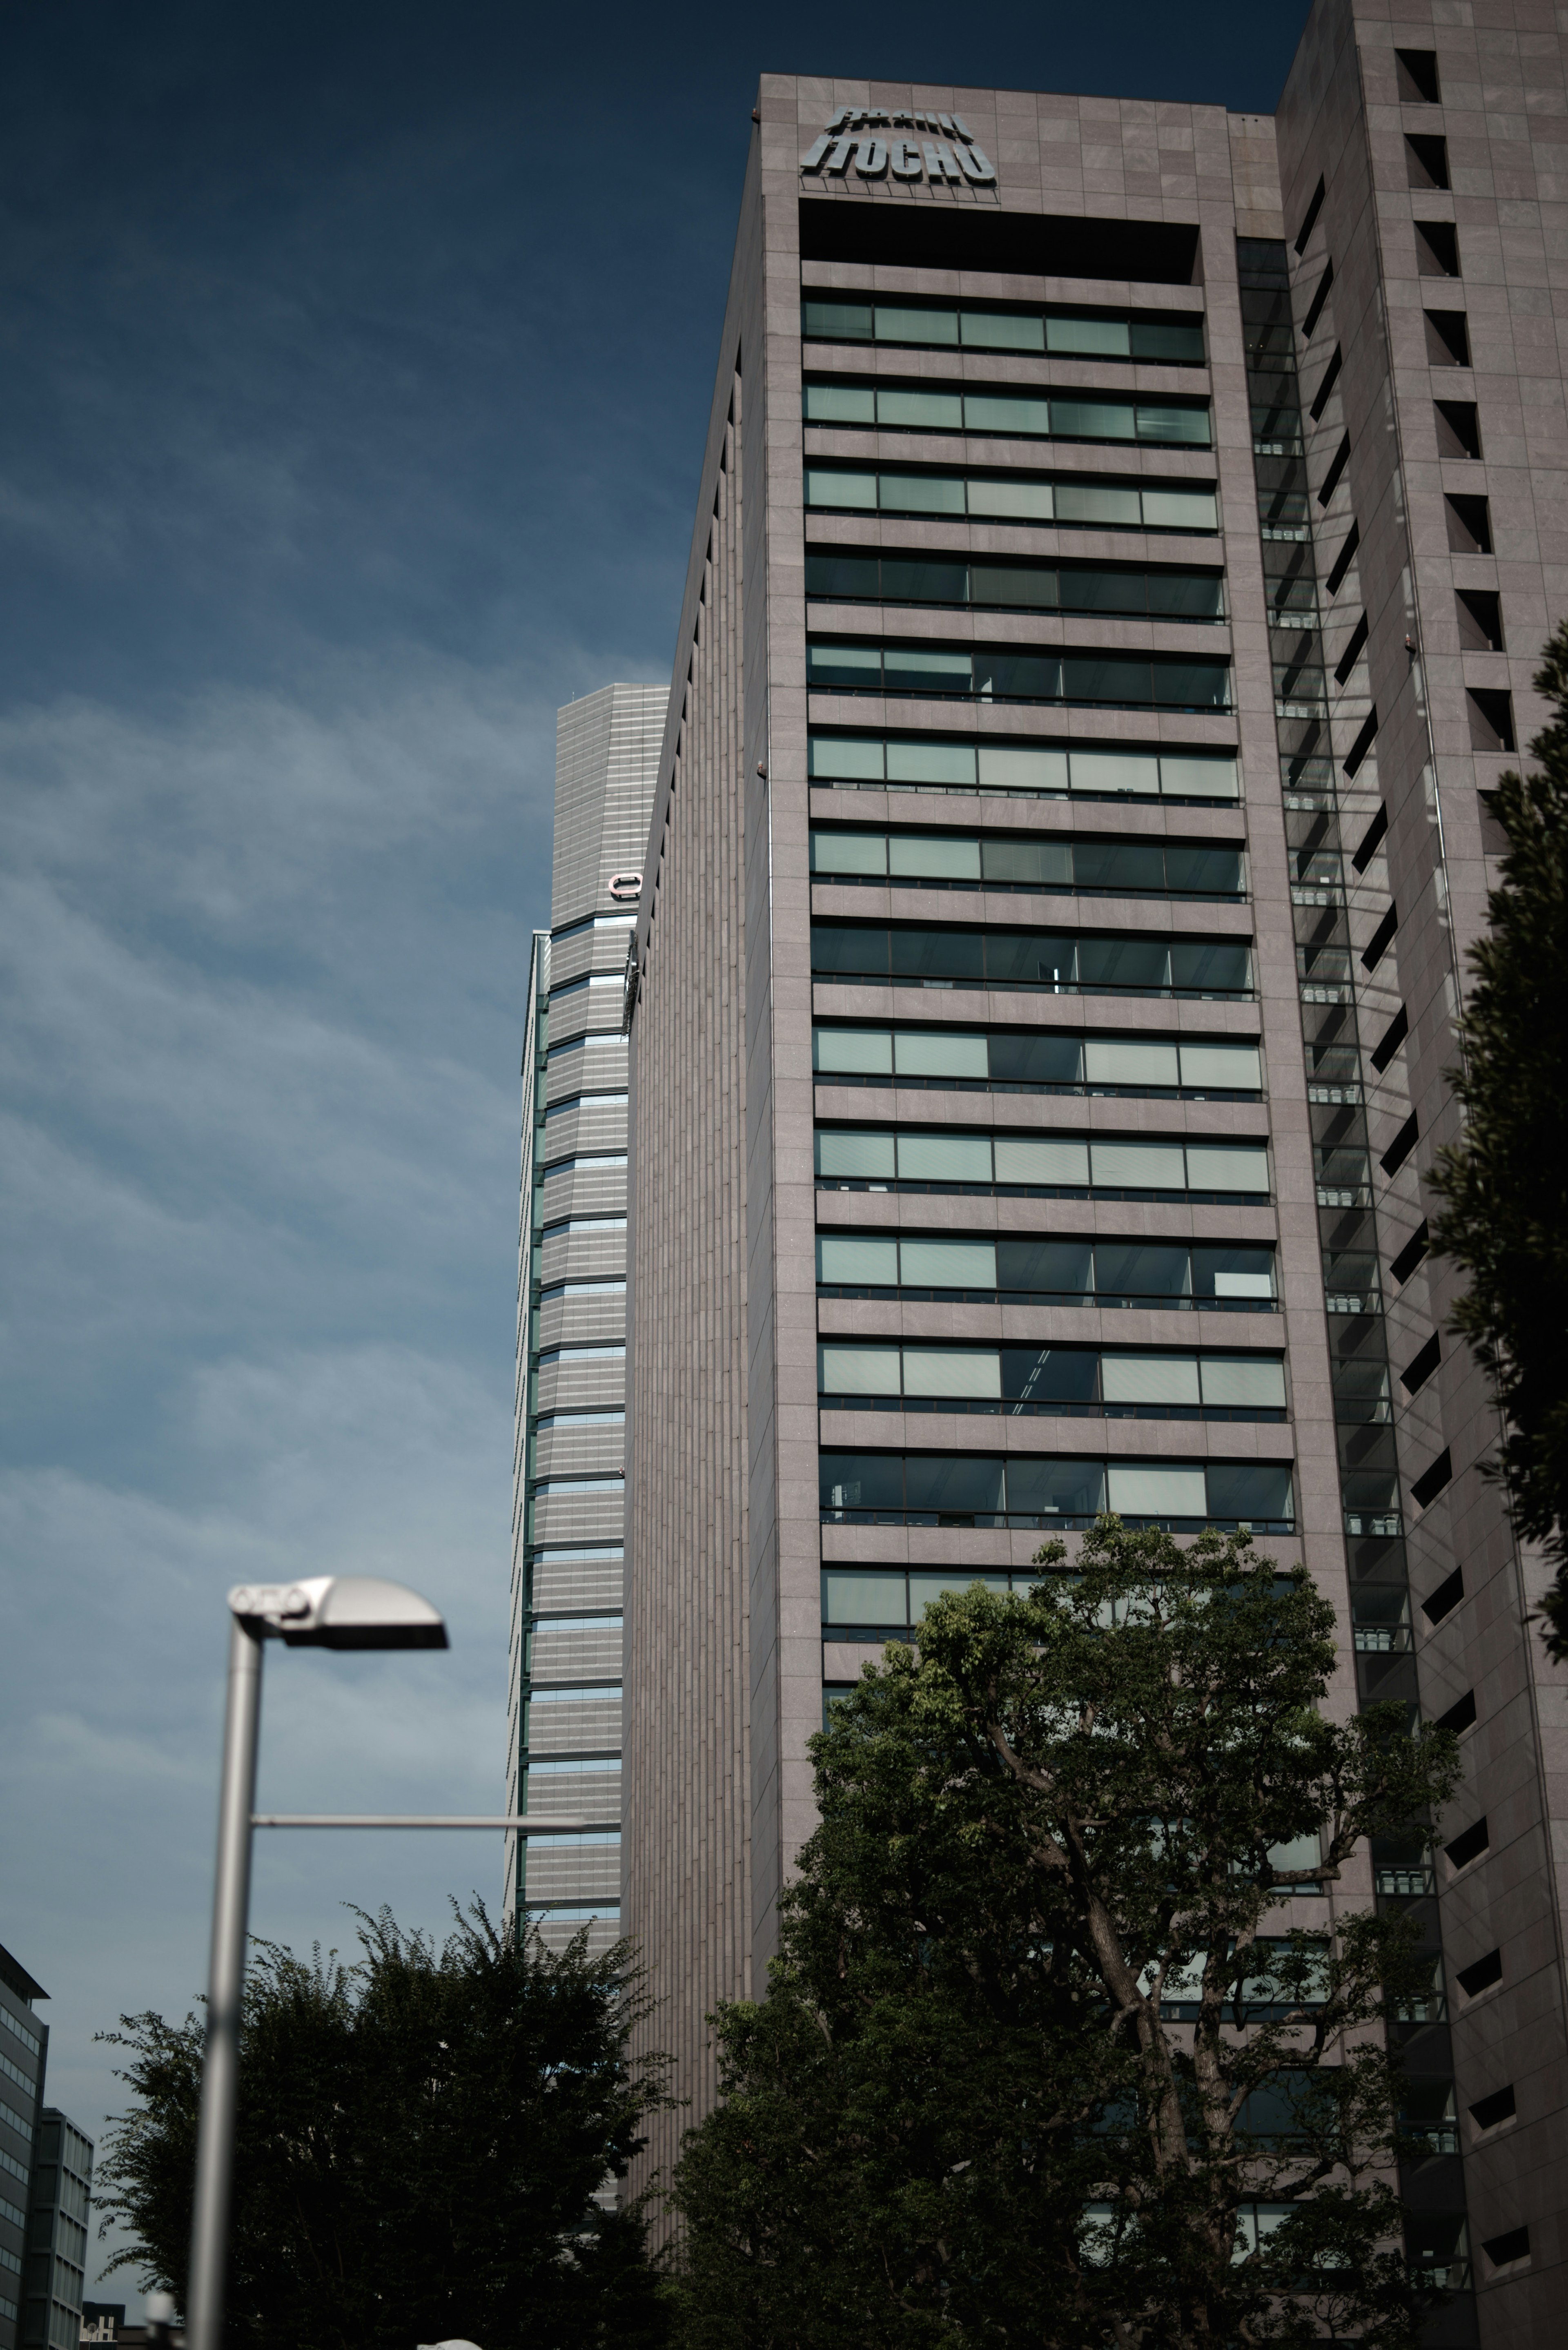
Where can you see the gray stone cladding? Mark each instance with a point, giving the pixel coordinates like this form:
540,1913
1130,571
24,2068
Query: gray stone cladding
569,1520
728,1651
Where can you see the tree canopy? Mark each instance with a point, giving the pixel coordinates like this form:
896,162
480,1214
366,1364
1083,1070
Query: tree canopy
1505,1185
422,2136
1053,2053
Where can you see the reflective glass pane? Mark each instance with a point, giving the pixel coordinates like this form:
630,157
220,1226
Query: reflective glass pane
856,1262
1091,338
1211,1168
990,412
916,579
1025,958
1115,770
855,1596
1012,586
1199,779
1180,510
920,411
1119,681
939,856
924,1588
857,1370
941,494
1119,865
1121,1061
833,488
951,1371
849,579
1185,594
1024,1159
937,954
839,1153
1094,501
1140,1268
948,1264
1244,1382
866,1050
840,404
1138,1166
919,668
855,666
1093,420
1003,768
1123,962
1161,1493
1219,966
1216,872
899,326
1234,1067
839,322
1159,423
1168,339
1040,864
1017,677
1022,500
1045,1268
848,852
944,1157
932,1054
1068,1488
983,330
1150,1378
963,1484
1048,1374
861,1480
931,763
1232,1272
1249,1491
1087,588
1019,1056
848,951
857,757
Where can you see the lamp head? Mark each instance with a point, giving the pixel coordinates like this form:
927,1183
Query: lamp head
339,1611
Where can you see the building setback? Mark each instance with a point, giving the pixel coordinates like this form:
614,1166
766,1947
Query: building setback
568,1468
1125,540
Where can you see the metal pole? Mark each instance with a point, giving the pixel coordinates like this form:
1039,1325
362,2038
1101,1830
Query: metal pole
221,2067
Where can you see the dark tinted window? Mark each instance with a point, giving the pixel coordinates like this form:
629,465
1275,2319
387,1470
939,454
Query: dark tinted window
1060,1268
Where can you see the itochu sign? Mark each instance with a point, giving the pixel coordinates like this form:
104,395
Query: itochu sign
949,157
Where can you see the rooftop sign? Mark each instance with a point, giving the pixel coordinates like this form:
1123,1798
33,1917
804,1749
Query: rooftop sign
951,156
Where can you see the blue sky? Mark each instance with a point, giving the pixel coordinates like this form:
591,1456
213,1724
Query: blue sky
356,366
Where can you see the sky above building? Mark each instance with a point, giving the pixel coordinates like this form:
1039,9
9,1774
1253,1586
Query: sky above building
357,367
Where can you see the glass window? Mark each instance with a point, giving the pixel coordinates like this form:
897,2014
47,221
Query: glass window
965,1485
842,322
869,1050
937,494
1185,594
1115,770
1089,337
1067,1489
1049,1374
1236,1067
1096,502
931,763
1249,1491
1180,510
1156,1492
857,1370
1212,1169
840,404
1024,1159
937,954
848,952
858,1261
1156,424
1244,1382
856,1597
948,1264
942,857
897,325
1216,872
861,1480
949,1371
1140,1268
1199,779
1008,586
848,852
932,1054
1191,685
1138,1166
1025,1057
983,330
998,413
1013,501
832,488
1124,963
850,577
1119,865
855,666
1017,677
1038,864
1217,966
1087,590
1045,1268
854,1154
944,1157
920,411
1150,1378
1093,420
1168,339
921,669
1232,1272
1122,1060
924,1588
1003,768
857,757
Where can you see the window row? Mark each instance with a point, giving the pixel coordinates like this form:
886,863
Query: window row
1009,415
1078,1381
935,325
1127,591
1076,963
947,764
1028,1490
1038,1057
1001,673
1078,864
948,1161
1011,497
1071,1272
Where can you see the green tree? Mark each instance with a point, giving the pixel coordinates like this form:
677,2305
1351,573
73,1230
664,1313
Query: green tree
421,2139
1505,1186
1040,2061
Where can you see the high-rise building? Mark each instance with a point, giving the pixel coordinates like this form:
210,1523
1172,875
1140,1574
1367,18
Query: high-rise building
24,2053
59,2198
568,1468
1125,539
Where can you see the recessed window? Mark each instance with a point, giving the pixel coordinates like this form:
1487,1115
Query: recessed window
1402,1266
1426,161
1418,76
1487,2112
1480,619
1491,718
1437,249
1469,525
1459,428
1503,2251
1309,219
1481,1975
1448,338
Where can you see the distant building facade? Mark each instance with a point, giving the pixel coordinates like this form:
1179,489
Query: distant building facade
59,2202
24,2052
569,1484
